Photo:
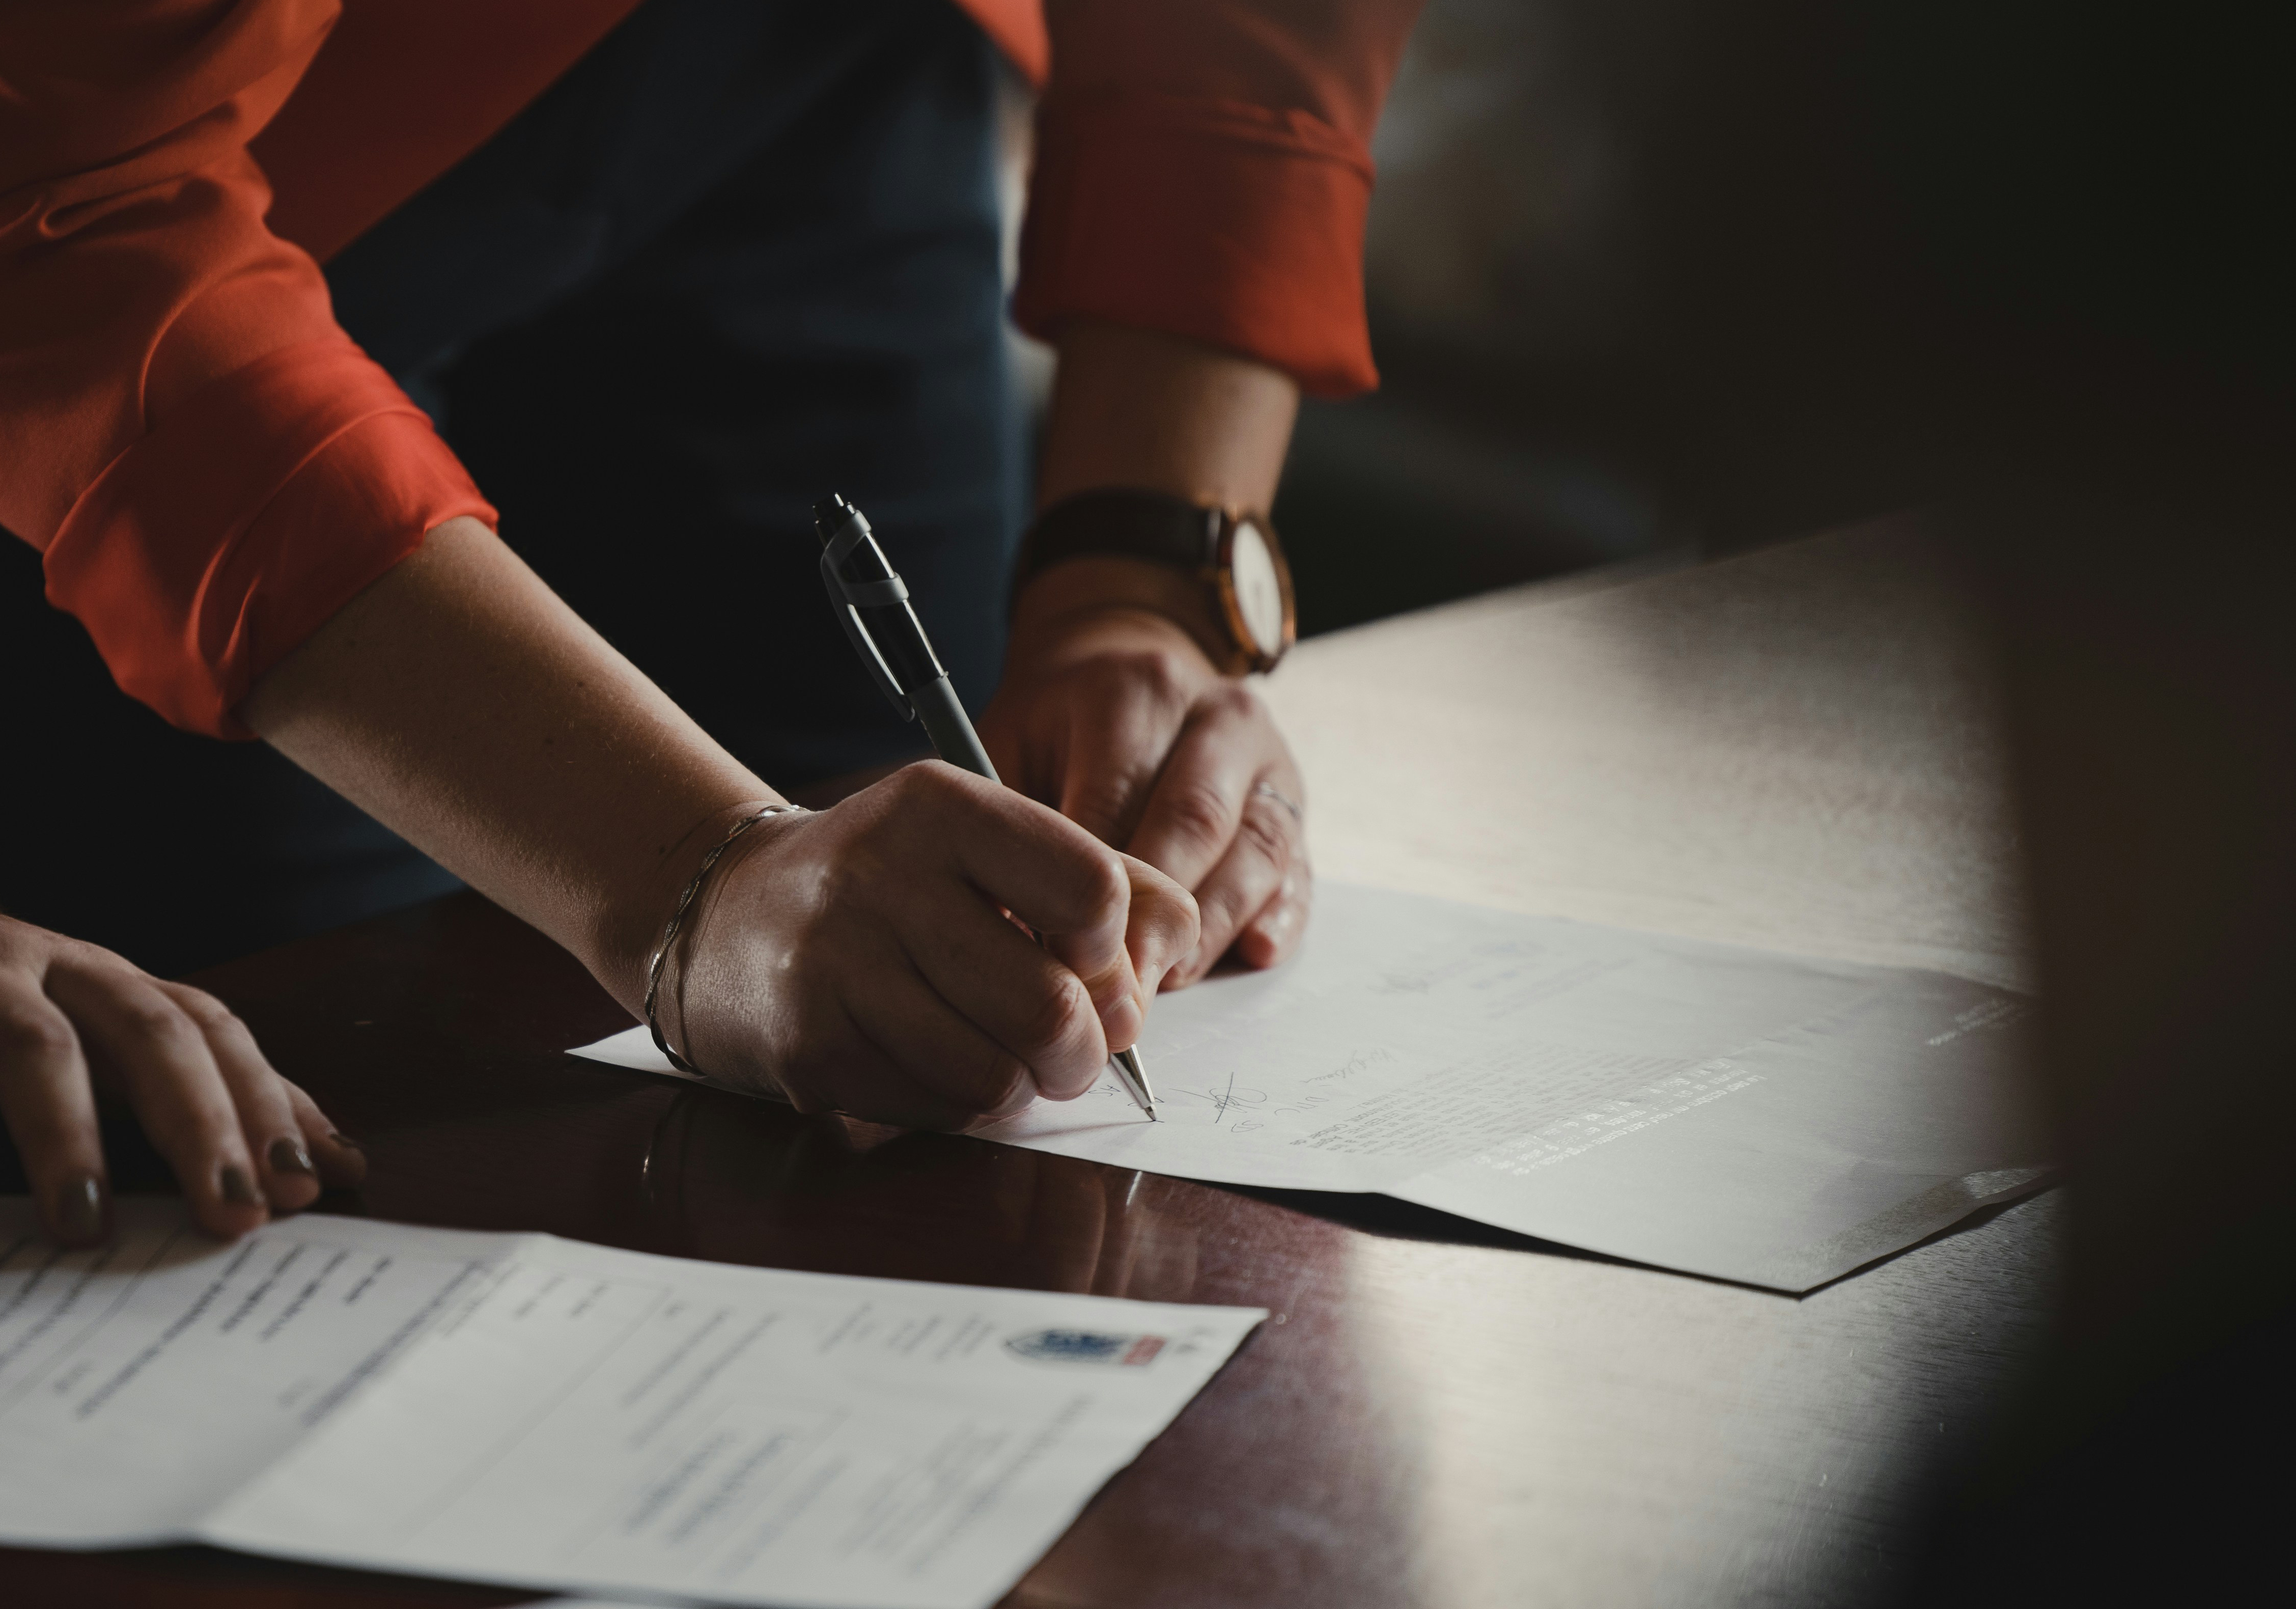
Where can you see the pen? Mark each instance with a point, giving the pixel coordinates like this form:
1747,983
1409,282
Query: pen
873,607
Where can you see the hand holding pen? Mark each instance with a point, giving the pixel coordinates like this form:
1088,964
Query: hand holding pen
857,959
872,603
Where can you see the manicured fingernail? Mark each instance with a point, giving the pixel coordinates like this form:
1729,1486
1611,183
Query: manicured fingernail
288,1156
344,1140
238,1189
79,1209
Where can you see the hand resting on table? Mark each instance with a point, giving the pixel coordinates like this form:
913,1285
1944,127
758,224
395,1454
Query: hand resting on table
77,1022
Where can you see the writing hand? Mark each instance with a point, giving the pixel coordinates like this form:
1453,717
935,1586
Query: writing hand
860,959
77,1021
1114,714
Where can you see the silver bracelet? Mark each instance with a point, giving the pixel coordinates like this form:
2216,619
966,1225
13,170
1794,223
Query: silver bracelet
677,920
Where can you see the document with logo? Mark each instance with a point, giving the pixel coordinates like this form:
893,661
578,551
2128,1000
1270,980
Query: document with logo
543,1413
1752,1116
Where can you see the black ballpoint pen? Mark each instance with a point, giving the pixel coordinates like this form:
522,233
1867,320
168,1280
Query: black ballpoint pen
873,607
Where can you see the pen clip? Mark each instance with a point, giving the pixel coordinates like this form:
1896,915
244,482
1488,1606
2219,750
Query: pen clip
843,595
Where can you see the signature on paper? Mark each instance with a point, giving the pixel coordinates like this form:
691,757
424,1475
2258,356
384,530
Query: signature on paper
1248,1106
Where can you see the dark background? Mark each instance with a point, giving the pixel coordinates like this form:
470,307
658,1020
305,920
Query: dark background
1646,272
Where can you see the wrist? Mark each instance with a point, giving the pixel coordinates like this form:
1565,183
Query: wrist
633,915
1134,406
1238,605
1102,586
682,931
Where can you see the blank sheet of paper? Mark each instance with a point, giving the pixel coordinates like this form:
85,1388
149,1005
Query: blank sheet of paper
545,1413
1732,1112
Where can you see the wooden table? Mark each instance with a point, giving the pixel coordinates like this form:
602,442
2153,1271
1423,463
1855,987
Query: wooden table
1791,748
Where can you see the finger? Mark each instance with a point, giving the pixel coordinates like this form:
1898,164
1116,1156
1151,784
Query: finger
1239,886
854,1067
1161,920
49,1106
284,1171
960,1073
1197,806
342,1162
1116,748
130,1027
1273,934
812,1052
1162,928
1037,864
1024,1002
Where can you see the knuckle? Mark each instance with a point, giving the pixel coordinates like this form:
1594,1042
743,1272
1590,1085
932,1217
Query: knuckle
64,950
1104,887
910,783
912,787
155,1017
1156,674
1221,913
1180,912
1102,801
1054,1017
1235,699
36,1031
1266,830
936,780
206,1012
1200,811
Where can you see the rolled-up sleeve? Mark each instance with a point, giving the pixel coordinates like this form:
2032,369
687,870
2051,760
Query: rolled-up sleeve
210,468
1203,168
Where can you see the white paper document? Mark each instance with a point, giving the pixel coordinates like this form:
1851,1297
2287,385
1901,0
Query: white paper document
544,1413
1750,1116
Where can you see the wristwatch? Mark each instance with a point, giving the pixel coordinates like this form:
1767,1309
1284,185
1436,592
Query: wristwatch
1234,557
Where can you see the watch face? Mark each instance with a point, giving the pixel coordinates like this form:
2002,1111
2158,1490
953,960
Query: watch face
1259,591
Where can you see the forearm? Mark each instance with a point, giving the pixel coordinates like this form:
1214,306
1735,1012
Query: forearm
461,704
1138,409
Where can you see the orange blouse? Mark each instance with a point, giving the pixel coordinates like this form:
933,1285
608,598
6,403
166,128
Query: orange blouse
211,468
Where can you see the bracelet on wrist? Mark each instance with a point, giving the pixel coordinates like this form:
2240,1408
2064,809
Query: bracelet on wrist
677,920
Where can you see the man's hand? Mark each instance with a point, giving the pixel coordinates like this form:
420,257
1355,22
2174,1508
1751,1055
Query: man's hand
1111,713
862,960
76,1021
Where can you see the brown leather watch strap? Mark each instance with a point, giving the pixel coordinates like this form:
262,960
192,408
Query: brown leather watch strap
1124,522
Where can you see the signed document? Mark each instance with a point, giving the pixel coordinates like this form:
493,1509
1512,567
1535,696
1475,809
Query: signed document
544,1413
1732,1112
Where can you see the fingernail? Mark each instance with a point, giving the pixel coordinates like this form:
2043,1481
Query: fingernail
238,1189
288,1156
80,1210
344,1140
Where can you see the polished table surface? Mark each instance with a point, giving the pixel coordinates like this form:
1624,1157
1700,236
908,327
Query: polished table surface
1793,748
